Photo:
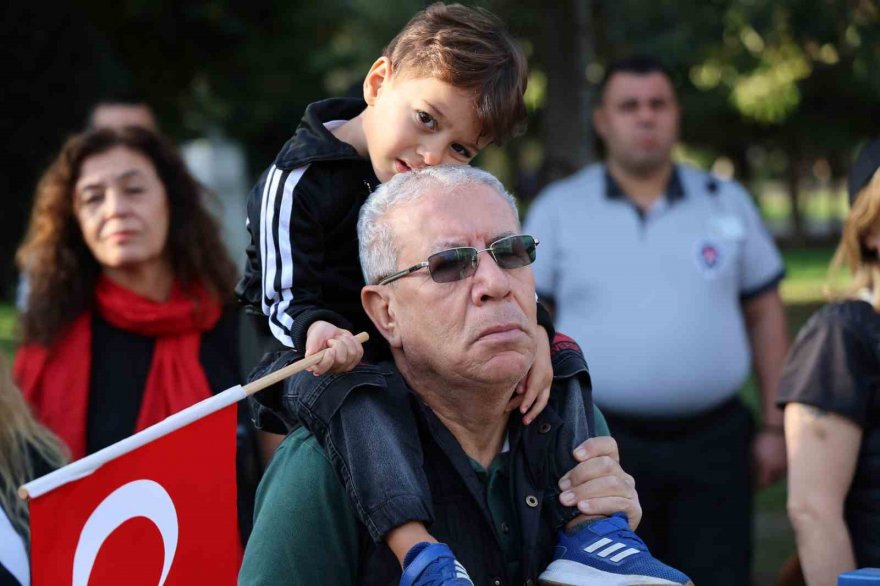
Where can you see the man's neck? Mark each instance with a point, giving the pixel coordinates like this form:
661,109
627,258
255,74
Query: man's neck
476,416
643,189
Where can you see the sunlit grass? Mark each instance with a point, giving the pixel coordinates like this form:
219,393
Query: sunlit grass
807,276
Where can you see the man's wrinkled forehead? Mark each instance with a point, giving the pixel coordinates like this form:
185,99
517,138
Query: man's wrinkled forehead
446,218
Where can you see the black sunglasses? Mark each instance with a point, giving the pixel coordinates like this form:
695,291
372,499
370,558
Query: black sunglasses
446,266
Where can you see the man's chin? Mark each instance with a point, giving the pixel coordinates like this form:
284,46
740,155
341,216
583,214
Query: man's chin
506,366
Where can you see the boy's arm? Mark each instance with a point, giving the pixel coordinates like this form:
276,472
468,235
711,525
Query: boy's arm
533,392
292,246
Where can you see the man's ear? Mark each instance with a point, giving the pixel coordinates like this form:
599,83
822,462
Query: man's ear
599,124
377,77
377,301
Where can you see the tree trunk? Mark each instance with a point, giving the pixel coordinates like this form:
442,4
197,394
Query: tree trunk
567,49
793,181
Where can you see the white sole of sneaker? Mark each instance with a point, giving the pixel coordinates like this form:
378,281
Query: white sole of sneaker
567,573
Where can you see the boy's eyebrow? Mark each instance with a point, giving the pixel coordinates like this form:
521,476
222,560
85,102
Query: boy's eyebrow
472,144
437,110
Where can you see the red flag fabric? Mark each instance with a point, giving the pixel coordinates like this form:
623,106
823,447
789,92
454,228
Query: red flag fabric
164,513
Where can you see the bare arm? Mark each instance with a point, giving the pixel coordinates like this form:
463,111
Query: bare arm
765,322
822,452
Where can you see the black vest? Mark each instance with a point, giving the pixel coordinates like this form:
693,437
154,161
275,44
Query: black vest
461,511
462,517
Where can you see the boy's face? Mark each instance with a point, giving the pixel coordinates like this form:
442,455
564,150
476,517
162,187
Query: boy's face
414,122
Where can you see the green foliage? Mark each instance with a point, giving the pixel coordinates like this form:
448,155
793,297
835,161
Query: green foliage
801,68
7,327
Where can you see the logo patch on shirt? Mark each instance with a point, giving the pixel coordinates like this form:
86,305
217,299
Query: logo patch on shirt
710,258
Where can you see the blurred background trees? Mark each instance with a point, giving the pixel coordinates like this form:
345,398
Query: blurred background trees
777,93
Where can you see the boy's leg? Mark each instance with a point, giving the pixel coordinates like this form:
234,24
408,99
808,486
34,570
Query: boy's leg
267,410
598,551
364,421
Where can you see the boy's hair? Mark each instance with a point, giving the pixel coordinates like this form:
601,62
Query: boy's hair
471,49
634,64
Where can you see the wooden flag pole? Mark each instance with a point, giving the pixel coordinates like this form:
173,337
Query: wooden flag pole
291,369
85,466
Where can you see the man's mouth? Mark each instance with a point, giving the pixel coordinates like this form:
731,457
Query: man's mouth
501,332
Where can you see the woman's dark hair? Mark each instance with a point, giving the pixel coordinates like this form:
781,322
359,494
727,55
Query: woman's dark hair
61,270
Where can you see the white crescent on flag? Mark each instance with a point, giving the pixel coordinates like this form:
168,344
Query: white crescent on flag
139,498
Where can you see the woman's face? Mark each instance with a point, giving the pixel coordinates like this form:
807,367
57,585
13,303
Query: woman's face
122,209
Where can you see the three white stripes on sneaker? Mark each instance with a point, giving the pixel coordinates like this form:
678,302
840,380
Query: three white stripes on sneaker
610,549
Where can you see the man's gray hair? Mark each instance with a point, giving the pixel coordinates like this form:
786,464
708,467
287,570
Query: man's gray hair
378,251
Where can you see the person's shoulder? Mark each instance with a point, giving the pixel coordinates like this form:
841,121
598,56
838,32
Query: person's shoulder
301,489
299,463
301,443
856,316
707,184
585,183
313,141
850,323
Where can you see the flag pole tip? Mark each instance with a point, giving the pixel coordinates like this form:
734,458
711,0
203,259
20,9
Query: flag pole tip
23,493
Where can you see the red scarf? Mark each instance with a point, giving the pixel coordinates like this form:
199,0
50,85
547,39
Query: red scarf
55,380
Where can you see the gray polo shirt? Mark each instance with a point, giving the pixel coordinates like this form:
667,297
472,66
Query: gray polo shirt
654,298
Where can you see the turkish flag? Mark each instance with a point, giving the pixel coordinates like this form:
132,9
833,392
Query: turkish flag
164,513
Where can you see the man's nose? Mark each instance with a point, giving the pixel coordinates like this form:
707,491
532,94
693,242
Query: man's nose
489,281
646,114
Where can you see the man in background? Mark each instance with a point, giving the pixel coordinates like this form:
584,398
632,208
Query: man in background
667,278
121,110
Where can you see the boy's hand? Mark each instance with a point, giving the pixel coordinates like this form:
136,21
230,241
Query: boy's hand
533,392
597,485
343,353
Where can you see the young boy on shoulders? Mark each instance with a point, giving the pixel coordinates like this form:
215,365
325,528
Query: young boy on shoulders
451,82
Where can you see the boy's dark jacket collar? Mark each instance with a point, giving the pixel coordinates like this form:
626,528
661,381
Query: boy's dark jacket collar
313,142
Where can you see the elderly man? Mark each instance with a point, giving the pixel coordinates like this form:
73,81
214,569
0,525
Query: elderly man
460,328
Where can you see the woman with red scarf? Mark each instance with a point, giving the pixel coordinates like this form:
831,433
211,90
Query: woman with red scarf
128,318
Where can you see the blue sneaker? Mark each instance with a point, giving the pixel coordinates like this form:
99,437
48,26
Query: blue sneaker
606,552
433,564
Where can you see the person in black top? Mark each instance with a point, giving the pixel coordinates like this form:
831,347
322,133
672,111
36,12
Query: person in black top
831,392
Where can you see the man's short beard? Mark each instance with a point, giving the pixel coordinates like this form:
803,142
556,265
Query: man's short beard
643,168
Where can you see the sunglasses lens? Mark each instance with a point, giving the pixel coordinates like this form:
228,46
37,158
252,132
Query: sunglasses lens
452,265
514,252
